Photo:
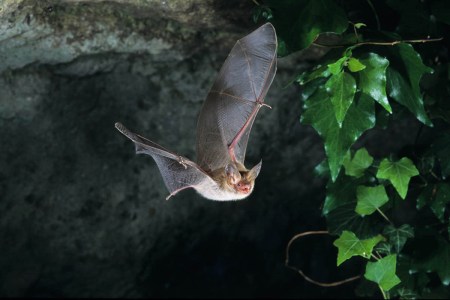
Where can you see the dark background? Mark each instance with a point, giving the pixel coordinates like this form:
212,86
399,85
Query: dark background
82,216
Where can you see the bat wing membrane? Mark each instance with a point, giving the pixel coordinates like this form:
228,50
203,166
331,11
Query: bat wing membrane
233,102
178,172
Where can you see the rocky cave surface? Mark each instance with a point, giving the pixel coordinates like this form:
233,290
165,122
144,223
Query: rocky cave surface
83,216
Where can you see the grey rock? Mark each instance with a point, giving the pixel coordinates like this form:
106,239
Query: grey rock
81,214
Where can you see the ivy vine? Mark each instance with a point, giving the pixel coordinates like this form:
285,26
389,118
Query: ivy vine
385,63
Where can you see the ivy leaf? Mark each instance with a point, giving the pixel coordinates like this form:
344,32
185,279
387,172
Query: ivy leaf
425,196
441,147
437,261
369,199
319,113
383,248
341,88
354,65
398,173
339,209
349,245
438,205
383,272
406,91
339,193
336,67
322,169
358,164
372,80
321,71
405,293
359,25
299,22
398,236
318,17
437,196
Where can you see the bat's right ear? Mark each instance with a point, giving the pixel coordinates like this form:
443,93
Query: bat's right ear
254,172
232,172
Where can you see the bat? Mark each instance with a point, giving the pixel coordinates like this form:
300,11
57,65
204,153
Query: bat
223,126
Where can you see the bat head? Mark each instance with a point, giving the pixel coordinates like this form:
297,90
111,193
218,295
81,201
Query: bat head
244,181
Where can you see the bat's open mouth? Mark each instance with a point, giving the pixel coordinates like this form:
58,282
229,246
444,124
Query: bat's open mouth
243,188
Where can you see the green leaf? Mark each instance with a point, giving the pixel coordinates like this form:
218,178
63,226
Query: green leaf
372,80
424,197
317,17
349,245
405,293
319,113
336,67
397,236
321,71
383,248
299,22
340,192
359,25
354,65
339,209
438,205
398,173
369,199
383,272
342,88
358,164
437,261
406,91
441,147
322,169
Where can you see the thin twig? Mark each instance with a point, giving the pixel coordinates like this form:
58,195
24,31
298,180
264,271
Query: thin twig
384,216
256,2
355,31
307,278
380,43
374,256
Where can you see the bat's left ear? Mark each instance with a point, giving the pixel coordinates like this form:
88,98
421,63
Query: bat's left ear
254,172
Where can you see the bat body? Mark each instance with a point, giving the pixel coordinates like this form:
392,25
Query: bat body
224,125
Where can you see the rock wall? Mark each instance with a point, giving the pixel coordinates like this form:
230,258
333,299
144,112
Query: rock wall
82,215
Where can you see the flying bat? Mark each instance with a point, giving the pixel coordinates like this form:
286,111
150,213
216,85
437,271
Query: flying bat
223,126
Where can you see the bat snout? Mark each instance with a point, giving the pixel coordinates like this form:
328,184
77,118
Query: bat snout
243,187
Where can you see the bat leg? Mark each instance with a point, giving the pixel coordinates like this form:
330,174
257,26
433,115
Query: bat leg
176,192
266,105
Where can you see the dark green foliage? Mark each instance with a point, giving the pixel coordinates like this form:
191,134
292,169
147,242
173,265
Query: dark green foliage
387,64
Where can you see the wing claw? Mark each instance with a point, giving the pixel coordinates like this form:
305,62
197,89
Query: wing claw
182,162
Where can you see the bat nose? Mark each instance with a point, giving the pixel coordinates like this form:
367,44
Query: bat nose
243,187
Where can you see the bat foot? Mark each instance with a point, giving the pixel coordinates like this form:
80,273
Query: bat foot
266,105
182,162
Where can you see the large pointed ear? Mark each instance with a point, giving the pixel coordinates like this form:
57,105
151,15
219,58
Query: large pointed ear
232,172
254,172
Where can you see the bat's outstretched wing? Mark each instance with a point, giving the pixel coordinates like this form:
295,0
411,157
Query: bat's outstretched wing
178,172
233,102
